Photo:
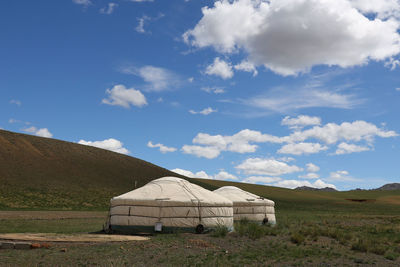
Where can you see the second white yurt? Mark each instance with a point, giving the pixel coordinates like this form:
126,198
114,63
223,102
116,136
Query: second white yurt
249,206
169,204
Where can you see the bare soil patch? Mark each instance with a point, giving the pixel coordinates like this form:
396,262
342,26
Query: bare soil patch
50,237
51,215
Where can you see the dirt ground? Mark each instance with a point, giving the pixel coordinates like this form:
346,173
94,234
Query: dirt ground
51,215
49,237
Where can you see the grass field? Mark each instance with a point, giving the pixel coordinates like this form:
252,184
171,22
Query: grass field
311,231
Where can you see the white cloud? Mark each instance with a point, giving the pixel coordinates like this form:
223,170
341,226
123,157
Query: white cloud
239,142
220,68
383,8
296,183
206,111
222,175
310,175
140,27
163,149
15,102
302,148
119,95
85,3
157,79
108,144
286,159
246,140
109,9
312,167
138,1
269,167
42,132
283,100
246,66
392,63
215,90
291,36
341,176
191,79
261,180
350,131
398,89
300,121
344,148
201,151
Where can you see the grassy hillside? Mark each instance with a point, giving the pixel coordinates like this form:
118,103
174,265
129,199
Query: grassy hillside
40,173
362,202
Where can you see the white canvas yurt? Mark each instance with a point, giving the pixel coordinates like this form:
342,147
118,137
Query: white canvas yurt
169,204
248,205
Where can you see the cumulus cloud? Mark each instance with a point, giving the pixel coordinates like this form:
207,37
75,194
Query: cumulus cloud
261,180
341,176
398,89
206,111
222,175
302,148
42,132
138,1
239,142
201,151
215,90
246,141
344,148
296,183
290,36
269,167
108,144
163,149
300,121
109,9
312,167
286,159
382,8
246,66
85,3
350,131
157,79
220,68
310,175
119,95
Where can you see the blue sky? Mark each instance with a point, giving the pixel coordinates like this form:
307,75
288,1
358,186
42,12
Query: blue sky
284,93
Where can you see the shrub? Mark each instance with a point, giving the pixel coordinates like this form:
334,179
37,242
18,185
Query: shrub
378,249
360,245
254,230
297,238
220,231
390,255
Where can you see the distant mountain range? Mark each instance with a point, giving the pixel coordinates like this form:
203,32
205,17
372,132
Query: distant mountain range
393,186
307,188
386,187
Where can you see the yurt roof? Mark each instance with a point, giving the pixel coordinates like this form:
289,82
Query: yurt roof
171,191
238,195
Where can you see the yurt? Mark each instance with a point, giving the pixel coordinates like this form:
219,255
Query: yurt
169,204
249,206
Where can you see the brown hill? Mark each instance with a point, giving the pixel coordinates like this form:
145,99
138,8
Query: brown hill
393,186
40,172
